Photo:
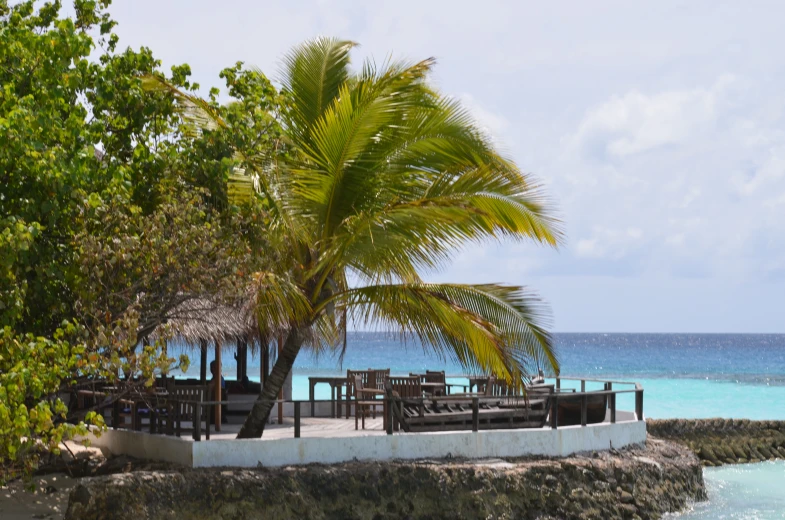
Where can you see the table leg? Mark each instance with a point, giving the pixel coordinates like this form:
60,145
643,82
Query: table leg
349,401
332,400
311,386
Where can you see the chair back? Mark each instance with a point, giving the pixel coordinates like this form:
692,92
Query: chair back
358,384
496,388
379,375
371,378
435,377
405,387
185,395
366,376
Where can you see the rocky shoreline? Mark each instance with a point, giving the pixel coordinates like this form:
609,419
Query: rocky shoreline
724,441
643,482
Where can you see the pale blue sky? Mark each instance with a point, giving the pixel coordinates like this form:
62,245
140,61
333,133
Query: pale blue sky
659,131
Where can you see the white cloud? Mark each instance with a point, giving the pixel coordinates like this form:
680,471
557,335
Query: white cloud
589,248
491,123
637,122
609,243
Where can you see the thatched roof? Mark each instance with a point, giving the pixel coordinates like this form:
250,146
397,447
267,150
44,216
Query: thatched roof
201,319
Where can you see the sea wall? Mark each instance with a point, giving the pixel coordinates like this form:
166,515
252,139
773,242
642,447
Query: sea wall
249,453
724,441
641,482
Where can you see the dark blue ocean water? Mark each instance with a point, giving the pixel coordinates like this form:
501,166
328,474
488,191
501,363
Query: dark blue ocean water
755,358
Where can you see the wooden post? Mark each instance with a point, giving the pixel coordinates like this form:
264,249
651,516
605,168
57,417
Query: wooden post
178,419
583,385
311,398
584,409
554,411
238,358
639,404
218,395
203,363
388,410
116,414
297,419
613,408
475,414
245,359
242,360
198,422
280,392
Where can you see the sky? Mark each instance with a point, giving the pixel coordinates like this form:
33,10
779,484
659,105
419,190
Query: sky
658,131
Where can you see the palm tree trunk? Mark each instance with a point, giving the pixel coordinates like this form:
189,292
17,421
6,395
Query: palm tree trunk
254,423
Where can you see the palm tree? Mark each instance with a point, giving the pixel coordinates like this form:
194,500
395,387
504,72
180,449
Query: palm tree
385,178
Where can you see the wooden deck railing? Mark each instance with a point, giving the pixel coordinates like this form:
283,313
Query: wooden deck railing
164,416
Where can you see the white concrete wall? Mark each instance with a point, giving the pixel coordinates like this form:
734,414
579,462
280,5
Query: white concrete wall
409,446
145,446
482,444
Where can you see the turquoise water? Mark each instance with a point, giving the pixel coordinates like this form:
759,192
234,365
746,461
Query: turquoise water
683,375
745,491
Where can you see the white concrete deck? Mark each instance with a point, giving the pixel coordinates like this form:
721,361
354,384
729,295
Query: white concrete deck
328,441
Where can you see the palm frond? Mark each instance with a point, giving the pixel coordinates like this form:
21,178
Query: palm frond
279,302
197,113
486,328
312,76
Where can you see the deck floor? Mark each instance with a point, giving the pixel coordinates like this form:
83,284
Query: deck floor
309,427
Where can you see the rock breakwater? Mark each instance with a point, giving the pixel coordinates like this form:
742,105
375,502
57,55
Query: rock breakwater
724,441
643,482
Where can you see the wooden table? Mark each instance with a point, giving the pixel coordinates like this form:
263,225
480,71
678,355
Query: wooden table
336,393
433,387
477,381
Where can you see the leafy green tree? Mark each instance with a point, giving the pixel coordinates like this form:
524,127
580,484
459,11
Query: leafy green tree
112,213
57,108
382,177
32,369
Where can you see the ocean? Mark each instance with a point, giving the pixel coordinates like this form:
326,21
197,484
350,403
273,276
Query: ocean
683,375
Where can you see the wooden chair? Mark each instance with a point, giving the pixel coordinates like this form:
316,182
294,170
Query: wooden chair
183,399
406,393
365,400
437,382
371,379
368,382
379,376
405,387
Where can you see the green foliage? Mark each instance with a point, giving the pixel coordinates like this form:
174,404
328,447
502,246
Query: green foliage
31,415
15,240
154,263
113,211
57,107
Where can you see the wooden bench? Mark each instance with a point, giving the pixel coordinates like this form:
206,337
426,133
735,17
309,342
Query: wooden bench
446,413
